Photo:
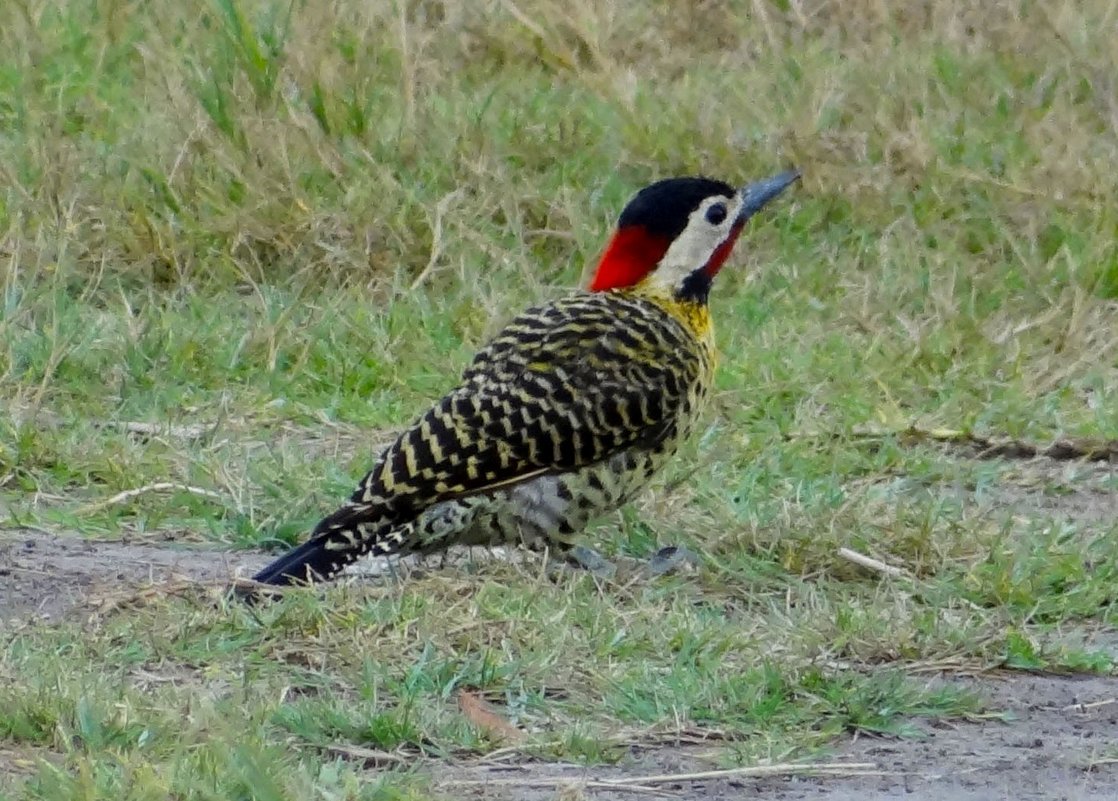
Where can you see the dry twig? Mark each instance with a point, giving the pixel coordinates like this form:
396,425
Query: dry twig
193,431
648,781
870,563
436,237
366,755
159,486
1089,450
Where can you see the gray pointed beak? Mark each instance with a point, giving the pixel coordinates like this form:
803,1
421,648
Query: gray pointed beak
754,196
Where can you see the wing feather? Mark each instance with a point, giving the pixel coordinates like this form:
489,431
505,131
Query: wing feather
561,387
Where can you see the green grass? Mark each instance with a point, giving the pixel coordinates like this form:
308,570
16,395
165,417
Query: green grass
276,230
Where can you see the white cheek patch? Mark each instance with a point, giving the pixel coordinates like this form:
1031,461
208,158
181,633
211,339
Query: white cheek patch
693,248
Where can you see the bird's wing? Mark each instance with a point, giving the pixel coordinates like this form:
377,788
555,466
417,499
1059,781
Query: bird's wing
561,387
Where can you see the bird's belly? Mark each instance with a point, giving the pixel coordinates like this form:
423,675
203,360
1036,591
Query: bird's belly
547,511
551,510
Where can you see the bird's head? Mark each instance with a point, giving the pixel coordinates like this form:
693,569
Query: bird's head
675,235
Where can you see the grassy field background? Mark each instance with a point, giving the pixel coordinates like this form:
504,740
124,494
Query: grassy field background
270,232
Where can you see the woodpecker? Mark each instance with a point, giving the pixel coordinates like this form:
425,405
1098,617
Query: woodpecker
568,412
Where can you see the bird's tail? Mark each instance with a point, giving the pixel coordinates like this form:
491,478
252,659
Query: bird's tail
339,540
308,562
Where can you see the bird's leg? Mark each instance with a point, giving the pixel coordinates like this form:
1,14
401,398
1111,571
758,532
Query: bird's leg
390,564
558,551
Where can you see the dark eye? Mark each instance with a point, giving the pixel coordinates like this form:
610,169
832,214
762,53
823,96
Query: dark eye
716,214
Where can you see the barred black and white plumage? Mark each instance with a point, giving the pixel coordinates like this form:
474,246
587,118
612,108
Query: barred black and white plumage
567,412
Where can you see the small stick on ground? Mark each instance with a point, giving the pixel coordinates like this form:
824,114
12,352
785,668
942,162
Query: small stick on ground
1085,707
633,782
367,755
159,486
989,447
870,563
436,237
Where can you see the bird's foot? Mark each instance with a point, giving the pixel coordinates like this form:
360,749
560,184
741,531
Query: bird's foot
591,561
670,559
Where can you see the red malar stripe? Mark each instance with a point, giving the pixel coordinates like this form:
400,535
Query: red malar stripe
722,252
631,255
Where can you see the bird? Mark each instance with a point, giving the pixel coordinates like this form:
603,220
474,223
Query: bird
568,412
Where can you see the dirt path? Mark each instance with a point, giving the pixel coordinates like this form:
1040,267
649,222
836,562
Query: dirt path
1061,740
1060,743
44,576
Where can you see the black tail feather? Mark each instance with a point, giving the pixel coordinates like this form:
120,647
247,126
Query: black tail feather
340,539
315,560
308,562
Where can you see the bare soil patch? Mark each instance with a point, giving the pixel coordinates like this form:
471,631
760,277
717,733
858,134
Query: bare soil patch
17,762
1080,492
1058,740
43,576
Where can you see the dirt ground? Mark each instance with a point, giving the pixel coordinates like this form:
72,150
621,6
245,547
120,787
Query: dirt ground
1059,746
44,576
1061,741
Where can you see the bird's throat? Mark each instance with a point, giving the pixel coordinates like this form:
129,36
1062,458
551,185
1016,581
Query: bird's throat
693,313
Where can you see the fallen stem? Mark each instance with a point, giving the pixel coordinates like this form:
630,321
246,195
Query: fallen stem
159,486
752,771
870,563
